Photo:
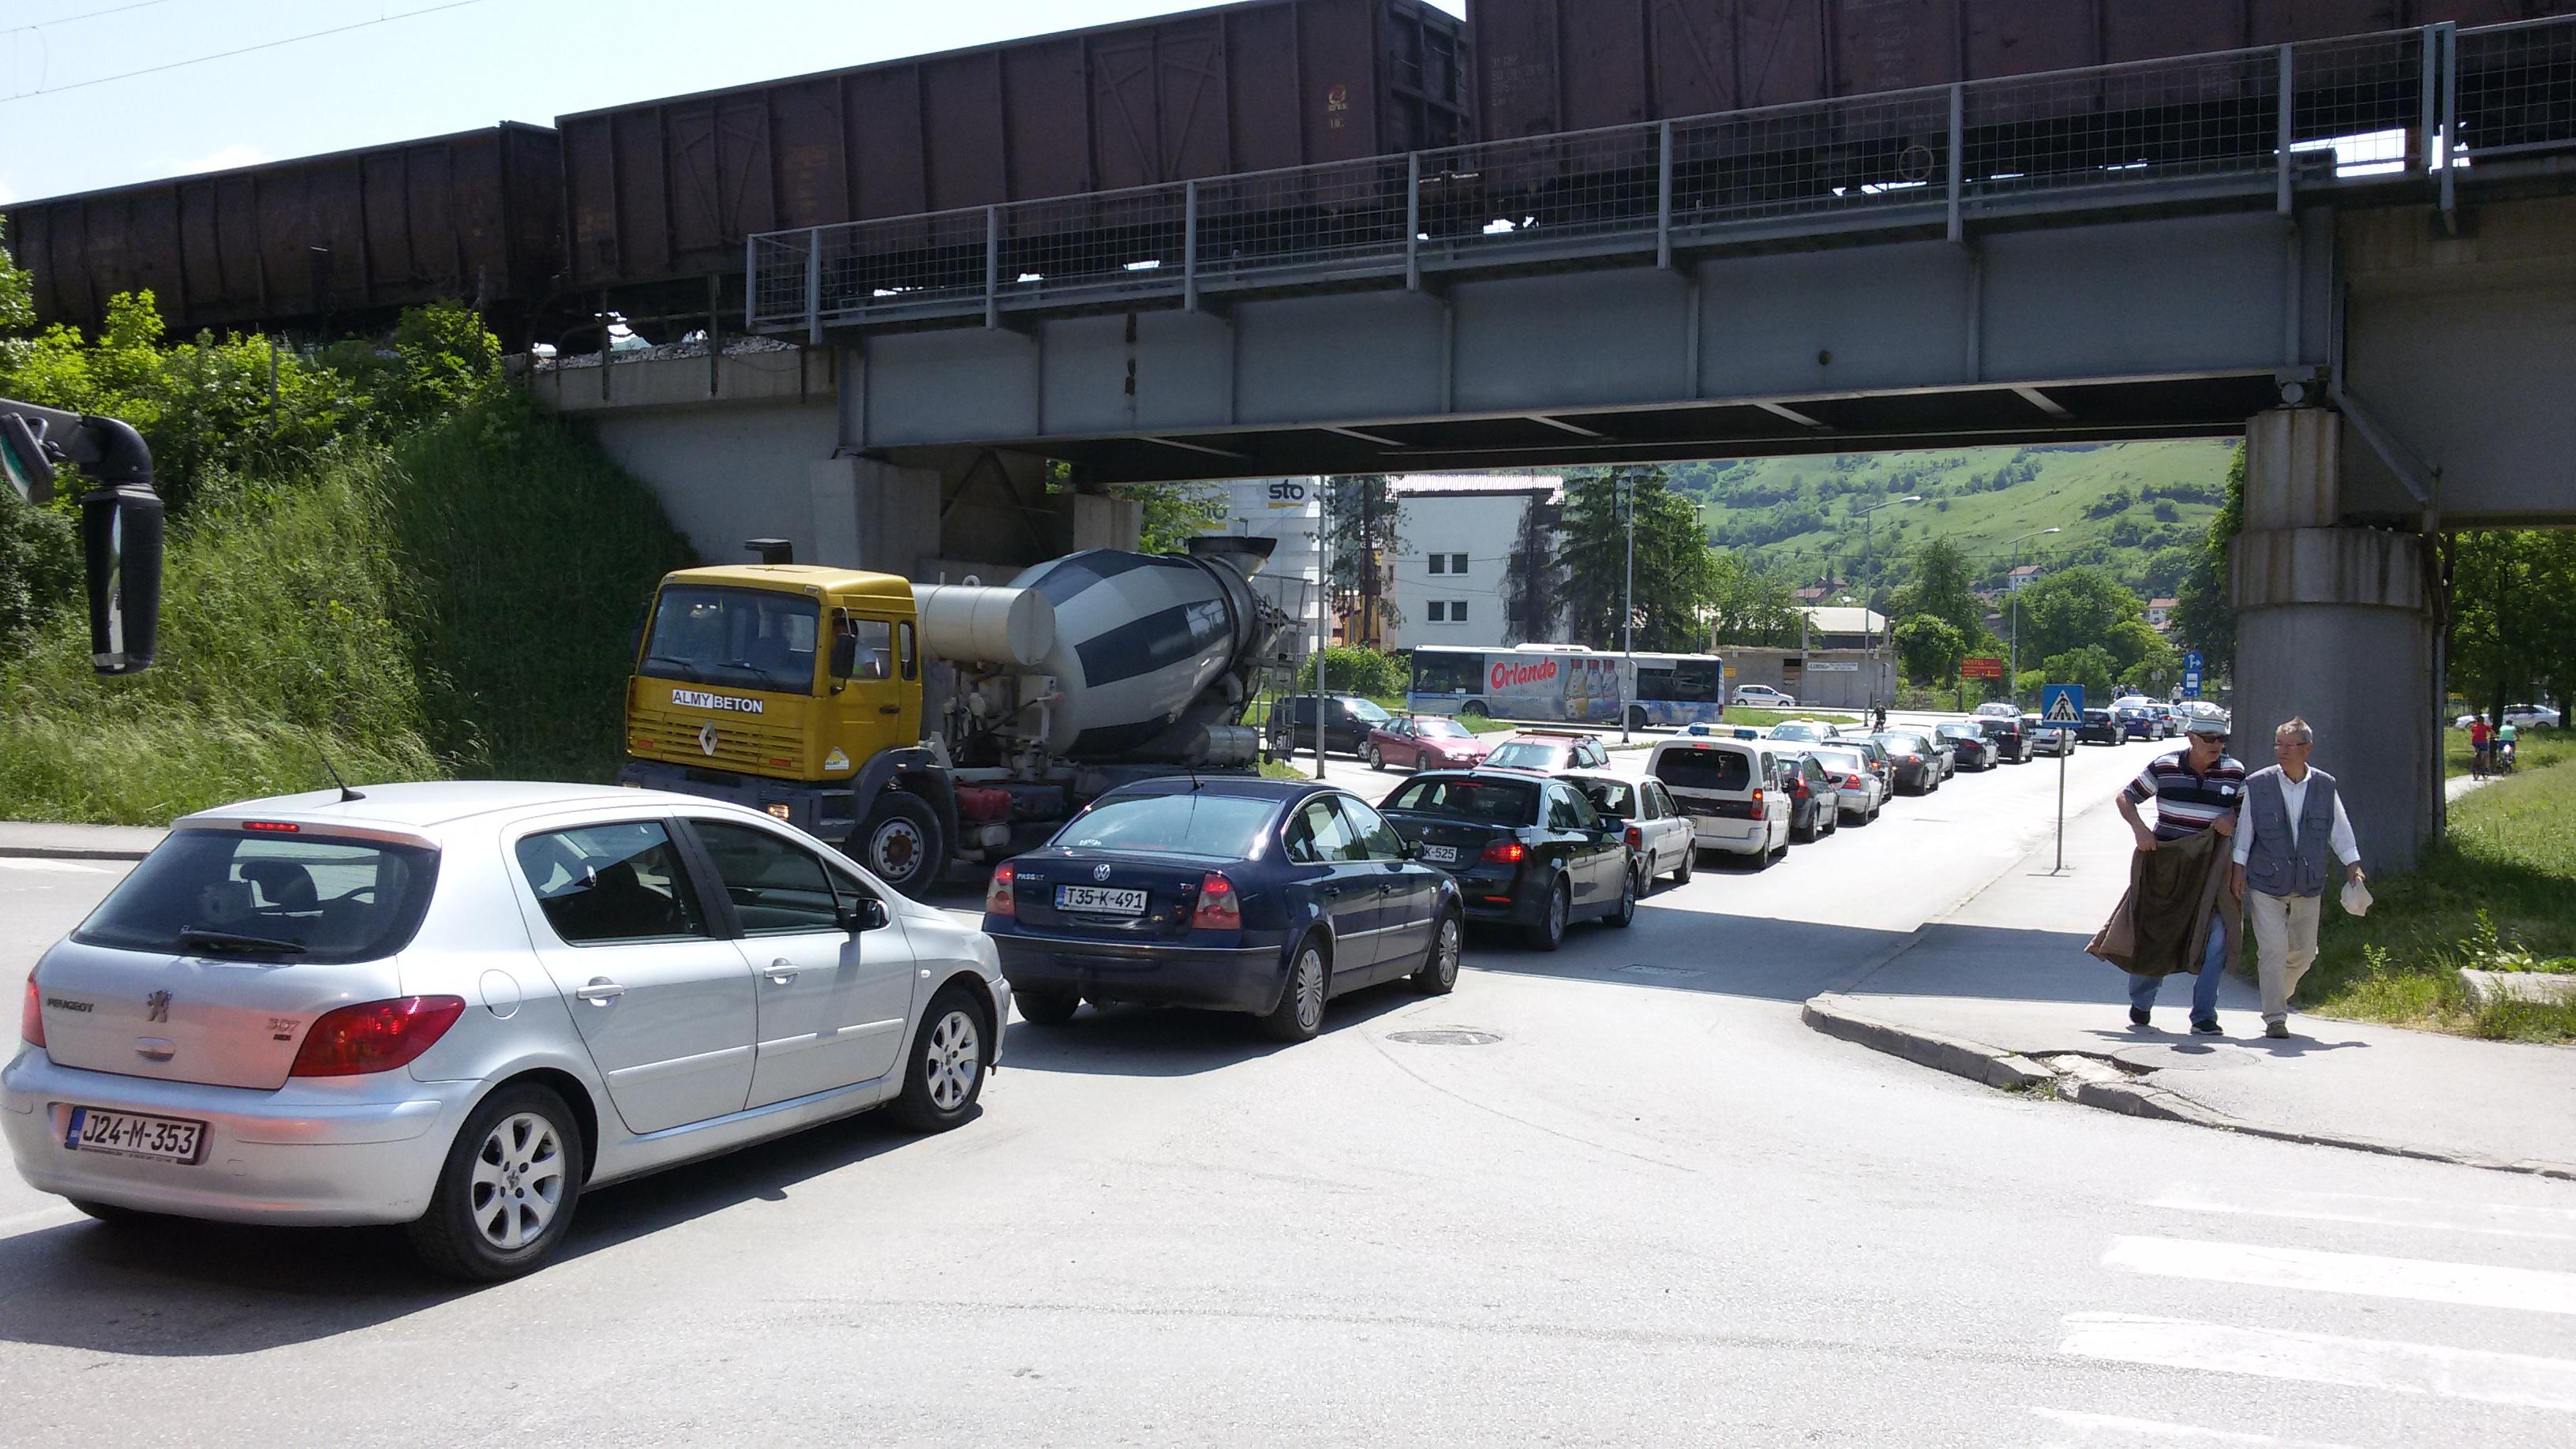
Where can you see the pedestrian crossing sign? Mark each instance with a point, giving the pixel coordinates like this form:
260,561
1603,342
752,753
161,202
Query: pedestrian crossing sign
2061,704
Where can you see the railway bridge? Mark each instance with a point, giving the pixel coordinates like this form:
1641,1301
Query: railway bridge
2357,254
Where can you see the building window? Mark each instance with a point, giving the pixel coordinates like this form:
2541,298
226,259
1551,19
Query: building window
1448,611
1439,612
1458,607
1458,565
1438,566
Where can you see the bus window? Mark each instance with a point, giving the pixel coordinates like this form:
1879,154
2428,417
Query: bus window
1444,672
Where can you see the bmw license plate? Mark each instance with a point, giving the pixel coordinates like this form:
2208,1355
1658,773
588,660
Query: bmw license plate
1099,900
127,1135
1440,854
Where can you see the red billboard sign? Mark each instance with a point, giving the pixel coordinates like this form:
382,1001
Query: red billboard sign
1981,668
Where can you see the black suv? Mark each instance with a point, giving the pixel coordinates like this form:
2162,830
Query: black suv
1347,722
2012,743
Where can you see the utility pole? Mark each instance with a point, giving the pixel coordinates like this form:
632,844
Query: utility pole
1628,600
1868,623
1323,614
2012,682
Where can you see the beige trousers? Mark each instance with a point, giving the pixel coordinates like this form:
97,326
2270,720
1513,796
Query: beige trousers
2285,945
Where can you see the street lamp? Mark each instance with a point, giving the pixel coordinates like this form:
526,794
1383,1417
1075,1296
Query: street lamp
1628,600
1869,629
2012,685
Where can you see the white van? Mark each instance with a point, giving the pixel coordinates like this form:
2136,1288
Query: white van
1730,789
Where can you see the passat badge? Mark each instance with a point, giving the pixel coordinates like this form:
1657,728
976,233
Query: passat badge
707,739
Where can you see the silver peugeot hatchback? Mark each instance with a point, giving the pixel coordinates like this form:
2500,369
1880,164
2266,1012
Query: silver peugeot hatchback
458,1006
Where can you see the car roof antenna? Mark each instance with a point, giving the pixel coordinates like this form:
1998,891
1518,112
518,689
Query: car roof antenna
346,794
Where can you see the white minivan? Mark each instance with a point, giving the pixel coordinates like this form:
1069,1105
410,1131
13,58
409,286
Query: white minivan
1732,792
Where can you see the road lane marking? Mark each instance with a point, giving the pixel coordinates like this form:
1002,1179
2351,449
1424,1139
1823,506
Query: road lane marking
2500,1219
2536,1290
2320,1358
2086,1431
50,867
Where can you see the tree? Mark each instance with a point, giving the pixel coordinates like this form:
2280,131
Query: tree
1175,513
2071,608
1675,572
1930,649
1534,579
2513,626
1944,588
1749,605
2088,666
2204,619
1365,519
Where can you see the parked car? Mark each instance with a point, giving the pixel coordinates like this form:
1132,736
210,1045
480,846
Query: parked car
1348,719
1659,835
1815,797
2046,738
1881,763
1423,742
2102,727
1525,851
2531,716
2166,714
1996,709
1862,792
1550,752
2139,720
2011,741
1968,744
461,1006
1734,798
1915,764
1803,729
1763,696
1268,897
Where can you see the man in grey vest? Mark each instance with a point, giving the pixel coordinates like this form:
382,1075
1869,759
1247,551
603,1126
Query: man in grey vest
2290,820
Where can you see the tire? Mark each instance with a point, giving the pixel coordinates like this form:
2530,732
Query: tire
1300,1012
1475,707
1041,1006
952,1053
1438,974
1636,718
900,844
1690,862
1797,837
1549,933
1376,761
1626,914
521,1140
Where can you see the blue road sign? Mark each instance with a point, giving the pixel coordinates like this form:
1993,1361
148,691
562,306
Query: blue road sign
2192,663
2061,705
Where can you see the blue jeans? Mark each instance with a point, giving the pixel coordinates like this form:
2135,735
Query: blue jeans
2204,987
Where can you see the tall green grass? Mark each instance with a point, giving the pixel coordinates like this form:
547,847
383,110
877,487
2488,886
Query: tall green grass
456,604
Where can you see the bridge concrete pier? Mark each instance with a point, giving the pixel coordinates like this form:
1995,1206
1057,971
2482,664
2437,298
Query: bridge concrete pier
2335,624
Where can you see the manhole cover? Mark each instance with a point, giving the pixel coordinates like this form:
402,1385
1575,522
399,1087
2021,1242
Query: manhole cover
1445,1038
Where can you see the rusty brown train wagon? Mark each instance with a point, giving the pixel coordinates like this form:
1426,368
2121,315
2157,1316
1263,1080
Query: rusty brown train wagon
338,239
665,190
1566,65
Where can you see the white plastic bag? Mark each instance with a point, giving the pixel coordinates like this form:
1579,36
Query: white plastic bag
2356,898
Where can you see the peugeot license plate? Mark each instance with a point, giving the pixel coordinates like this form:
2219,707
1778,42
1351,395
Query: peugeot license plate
1440,854
1099,900
127,1135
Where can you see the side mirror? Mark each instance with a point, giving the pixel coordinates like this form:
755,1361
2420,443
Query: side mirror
867,913
121,536
845,654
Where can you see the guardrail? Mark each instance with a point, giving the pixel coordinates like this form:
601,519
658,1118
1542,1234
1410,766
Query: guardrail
2424,103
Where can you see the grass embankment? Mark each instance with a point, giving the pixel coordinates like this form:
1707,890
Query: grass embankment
2498,894
2535,750
456,604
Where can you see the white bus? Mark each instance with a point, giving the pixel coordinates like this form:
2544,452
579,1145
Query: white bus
1673,690
1561,682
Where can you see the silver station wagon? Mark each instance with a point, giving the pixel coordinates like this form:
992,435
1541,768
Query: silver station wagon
459,1005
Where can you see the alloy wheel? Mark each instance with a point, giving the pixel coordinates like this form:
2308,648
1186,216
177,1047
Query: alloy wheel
519,1181
1309,987
951,1059
1445,963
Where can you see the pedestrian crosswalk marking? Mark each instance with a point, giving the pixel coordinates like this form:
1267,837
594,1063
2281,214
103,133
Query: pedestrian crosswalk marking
2106,1431
2511,1220
2533,1289
2412,1368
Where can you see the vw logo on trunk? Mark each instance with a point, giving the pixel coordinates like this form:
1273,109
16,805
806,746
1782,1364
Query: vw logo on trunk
707,739
1100,872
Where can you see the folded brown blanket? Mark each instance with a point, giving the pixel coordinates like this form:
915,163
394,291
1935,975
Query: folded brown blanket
2161,926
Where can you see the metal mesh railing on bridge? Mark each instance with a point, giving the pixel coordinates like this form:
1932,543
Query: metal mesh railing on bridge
2412,102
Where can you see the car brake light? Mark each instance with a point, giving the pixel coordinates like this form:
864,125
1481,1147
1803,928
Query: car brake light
272,827
375,1036
1505,852
1636,838
998,899
1757,798
31,1020
1857,782
1220,909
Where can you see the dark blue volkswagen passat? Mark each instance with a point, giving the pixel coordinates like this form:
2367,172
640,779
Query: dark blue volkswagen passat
1261,896
1527,851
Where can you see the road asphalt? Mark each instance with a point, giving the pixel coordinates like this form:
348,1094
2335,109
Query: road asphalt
1637,1200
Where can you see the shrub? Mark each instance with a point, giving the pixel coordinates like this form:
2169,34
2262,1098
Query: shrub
1350,669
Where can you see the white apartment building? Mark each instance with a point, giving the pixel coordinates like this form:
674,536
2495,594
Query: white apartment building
1288,510
1459,531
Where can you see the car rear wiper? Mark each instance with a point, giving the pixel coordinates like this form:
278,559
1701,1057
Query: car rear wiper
195,940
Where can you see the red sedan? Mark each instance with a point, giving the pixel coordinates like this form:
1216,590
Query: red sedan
1423,742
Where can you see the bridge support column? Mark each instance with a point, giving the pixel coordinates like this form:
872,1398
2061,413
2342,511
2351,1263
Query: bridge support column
2333,624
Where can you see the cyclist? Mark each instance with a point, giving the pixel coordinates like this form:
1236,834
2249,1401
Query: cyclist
2504,737
2480,737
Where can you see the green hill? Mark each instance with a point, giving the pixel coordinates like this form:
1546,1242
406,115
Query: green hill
2135,508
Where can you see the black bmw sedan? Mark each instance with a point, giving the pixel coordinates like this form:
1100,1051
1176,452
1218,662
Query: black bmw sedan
1526,851
1263,896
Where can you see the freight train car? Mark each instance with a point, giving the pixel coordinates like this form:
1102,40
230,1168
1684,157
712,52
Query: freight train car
666,190
317,242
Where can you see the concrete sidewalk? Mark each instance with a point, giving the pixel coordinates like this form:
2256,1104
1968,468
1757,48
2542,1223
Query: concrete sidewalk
2001,990
47,840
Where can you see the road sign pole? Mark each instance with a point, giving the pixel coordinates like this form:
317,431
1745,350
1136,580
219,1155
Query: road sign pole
2061,814
2061,707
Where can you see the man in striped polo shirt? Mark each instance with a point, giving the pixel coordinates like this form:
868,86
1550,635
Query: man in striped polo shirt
2195,788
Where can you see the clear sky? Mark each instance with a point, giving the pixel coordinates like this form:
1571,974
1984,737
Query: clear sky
404,68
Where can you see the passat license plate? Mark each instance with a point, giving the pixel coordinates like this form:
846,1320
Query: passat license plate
1440,854
127,1135
1099,900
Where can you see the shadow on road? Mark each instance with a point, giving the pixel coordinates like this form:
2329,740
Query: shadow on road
1170,1041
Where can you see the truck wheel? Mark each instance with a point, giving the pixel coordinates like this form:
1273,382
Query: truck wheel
899,841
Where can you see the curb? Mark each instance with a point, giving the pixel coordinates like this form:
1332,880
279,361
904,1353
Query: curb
71,852
2090,1083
